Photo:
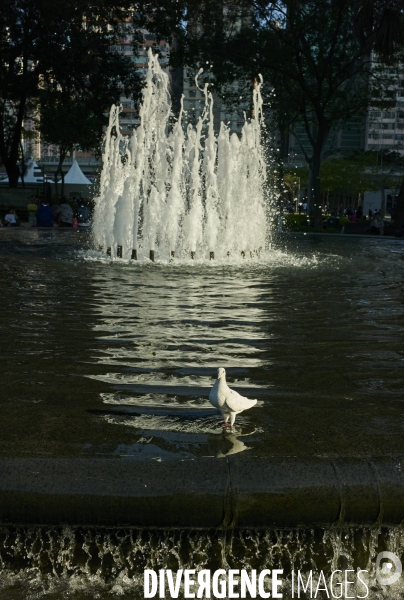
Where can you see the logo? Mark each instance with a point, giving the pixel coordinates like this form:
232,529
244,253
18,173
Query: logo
388,571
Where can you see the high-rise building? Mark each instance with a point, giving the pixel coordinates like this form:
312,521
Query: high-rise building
194,103
129,117
343,141
385,126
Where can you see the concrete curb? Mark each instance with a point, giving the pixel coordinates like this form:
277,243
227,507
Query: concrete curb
345,235
233,492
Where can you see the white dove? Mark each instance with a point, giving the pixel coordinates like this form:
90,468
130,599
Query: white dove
229,402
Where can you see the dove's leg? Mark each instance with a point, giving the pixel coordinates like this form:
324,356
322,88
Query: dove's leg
226,422
232,419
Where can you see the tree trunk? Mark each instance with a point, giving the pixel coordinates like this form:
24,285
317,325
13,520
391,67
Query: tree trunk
399,218
283,158
280,184
22,166
62,156
383,202
13,172
319,135
314,191
55,175
9,148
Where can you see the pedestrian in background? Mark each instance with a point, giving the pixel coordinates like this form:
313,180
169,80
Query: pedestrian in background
11,218
66,214
44,215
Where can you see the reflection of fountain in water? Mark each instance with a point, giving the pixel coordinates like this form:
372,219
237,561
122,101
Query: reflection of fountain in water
184,194
159,365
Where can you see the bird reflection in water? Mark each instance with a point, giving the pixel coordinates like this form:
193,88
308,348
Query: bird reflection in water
228,443
172,438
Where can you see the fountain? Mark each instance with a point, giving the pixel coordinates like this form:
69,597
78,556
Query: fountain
112,460
168,194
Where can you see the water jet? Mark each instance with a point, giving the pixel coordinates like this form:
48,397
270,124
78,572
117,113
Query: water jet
172,188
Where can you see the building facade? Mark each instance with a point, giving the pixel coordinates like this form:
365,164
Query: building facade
385,126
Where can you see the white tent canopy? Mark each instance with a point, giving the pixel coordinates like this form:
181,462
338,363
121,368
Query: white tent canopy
76,175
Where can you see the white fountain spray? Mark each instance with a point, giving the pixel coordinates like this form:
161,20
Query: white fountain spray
165,193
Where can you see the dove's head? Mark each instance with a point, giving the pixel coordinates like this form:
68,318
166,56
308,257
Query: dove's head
220,372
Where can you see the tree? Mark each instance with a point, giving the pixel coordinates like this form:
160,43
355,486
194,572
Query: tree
88,78
316,54
355,173
371,170
69,123
20,28
44,51
345,178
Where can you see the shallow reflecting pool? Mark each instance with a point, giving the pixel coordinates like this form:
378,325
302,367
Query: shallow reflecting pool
117,359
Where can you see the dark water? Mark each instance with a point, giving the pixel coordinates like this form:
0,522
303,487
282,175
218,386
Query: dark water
116,360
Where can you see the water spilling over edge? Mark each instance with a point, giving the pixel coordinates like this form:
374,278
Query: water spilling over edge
58,562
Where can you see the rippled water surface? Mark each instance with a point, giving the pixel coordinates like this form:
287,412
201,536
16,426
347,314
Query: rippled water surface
113,359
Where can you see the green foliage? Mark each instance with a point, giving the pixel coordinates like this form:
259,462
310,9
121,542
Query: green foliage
376,158
353,174
69,122
379,169
339,176
296,177
295,222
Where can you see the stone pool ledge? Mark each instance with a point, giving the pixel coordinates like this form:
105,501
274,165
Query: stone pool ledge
205,493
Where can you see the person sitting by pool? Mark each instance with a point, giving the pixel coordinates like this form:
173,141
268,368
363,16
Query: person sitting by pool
44,215
66,214
11,218
32,209
400,231
377,225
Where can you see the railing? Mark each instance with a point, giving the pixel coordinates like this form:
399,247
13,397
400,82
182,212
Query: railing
54,160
